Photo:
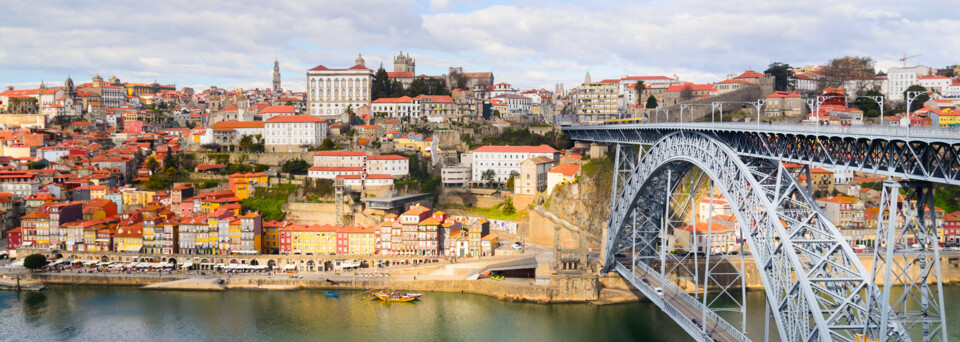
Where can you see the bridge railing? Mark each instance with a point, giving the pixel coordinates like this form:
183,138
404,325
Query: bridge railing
874,130
669,288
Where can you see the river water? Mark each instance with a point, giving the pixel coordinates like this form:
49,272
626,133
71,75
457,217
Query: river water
98,313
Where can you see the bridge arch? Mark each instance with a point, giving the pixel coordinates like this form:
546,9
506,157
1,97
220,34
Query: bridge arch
812,279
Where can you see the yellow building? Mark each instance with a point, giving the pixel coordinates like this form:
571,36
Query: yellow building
129,238
209,205
271,236
360,240
948,117
313,239
137,198
413,142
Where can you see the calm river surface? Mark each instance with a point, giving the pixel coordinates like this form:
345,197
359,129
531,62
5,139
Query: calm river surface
90,313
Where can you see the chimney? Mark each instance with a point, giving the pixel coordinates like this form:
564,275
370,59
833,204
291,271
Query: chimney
9,87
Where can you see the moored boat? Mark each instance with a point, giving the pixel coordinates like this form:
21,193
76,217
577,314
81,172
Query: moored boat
332,294
392,296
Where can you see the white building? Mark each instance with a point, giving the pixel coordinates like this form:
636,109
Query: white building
19,183
357,182
283,133
953,90
331,91
501,88
394,165
398,107
112,96
935,83
455,175
506,159
332,172
902,78
841,176
560,174
339,159
516,104
330,164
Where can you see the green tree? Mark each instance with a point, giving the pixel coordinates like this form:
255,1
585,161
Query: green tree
36,165
34,262
507,206
782,76
652,102
170,172
246,141
152,164
488,176
171,160
639,87
919,100
510,183
295,166
327,145
382,85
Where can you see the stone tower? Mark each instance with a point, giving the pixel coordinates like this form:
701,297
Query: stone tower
586,79
359,61
276,75
403,63
68,86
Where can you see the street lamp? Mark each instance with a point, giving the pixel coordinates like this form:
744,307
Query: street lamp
715,107
879,101
911,95
685,106
759,104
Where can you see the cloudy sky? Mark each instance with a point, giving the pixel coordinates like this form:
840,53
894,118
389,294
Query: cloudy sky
531,43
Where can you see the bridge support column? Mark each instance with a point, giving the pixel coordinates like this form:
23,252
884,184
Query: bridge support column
908,254
624,163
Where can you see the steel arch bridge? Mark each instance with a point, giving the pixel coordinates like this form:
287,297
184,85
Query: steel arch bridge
816,287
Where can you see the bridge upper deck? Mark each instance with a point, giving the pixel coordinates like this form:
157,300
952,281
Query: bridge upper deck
950,136
917,153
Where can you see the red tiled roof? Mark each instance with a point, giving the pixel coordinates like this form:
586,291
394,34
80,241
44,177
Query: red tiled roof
565,169
278,109
386,157
750,74
237,124
517,149
402,99
335,168
339,154
783,94
400,74
295,118
367,176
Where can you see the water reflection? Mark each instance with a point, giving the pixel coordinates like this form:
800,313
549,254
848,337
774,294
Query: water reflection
111,313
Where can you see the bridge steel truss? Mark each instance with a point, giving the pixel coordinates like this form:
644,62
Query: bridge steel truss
920,157
814,282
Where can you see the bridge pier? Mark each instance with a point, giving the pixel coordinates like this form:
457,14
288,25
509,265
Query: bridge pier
908,255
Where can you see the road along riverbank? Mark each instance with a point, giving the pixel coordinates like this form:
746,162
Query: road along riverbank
559,290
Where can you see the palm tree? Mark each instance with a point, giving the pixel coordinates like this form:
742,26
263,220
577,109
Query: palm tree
245,142
639,87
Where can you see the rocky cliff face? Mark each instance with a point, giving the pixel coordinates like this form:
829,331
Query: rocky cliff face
586,201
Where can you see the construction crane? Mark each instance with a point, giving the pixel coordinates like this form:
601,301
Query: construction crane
905,58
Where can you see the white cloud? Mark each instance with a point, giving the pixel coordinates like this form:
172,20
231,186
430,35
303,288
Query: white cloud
529,43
